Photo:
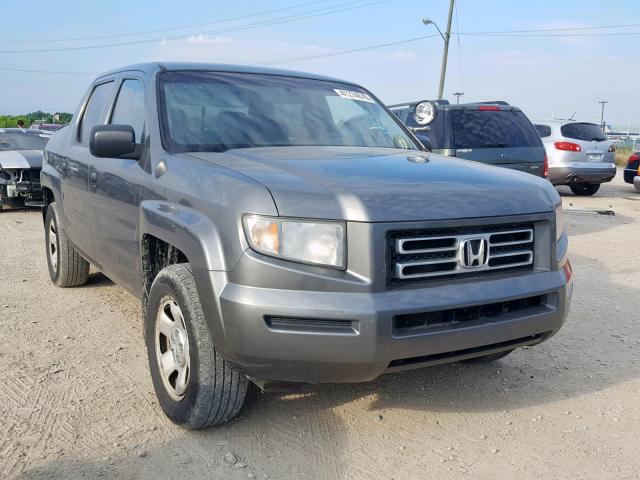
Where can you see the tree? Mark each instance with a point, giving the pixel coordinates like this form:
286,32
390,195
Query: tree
11,121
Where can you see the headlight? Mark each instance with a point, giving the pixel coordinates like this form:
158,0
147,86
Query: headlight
559,221
314,242
424,113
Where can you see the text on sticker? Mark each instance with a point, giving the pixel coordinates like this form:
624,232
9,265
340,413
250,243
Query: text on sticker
351,95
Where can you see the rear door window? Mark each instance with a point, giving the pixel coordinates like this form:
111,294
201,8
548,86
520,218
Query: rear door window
587,132
543,130
493,129
94,110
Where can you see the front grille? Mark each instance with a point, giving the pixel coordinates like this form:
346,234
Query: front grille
32,175
411,323
436,254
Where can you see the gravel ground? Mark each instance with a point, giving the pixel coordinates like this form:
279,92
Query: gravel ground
76,399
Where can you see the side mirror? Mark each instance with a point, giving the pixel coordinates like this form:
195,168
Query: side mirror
112,141
425,140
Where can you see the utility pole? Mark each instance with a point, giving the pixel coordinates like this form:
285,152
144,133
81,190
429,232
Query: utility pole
602,103
458,95
445,52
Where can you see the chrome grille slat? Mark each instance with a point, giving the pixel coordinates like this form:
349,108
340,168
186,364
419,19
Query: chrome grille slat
400,243
510,254
529,238
505,247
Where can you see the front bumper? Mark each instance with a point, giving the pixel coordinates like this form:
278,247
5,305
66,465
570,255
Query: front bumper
22,194
329,351
583,172
629,174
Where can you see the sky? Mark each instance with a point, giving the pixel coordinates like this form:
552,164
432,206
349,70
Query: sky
544,76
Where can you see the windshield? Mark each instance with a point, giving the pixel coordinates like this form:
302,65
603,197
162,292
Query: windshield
22,141
493,129
215,112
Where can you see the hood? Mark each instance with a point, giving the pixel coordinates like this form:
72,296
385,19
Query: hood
384,185
21,159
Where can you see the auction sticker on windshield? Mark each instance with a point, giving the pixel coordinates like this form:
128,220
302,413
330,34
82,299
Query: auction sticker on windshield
351,95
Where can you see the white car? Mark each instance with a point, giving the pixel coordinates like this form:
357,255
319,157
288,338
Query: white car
20,165
579,153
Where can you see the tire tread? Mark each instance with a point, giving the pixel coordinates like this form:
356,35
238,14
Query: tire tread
221,388
73,269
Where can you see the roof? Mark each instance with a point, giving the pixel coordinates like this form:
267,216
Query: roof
558,121
152,67
445,105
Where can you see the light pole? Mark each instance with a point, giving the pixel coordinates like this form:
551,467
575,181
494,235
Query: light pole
458,95
445,53
602,103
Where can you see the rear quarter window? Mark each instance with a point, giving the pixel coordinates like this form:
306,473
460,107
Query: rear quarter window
543,130
493,129
587,132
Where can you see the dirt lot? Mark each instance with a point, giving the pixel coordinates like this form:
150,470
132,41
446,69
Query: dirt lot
76,399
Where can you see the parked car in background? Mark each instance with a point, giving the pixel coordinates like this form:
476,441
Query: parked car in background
495,133
20,165
285,226
632,171
580,154
46,127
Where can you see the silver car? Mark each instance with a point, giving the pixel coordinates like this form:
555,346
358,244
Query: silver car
580,154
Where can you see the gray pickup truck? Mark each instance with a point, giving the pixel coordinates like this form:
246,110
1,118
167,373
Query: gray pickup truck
284,226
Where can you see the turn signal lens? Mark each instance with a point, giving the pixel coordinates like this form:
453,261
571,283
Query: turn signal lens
568,271
559,221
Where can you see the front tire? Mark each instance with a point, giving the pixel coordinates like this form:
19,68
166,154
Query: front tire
195,386
67,268
584,189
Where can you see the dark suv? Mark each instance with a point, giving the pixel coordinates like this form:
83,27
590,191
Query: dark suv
492,132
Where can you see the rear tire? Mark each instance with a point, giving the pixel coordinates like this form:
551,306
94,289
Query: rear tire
195,386
67,268
584,189
492,357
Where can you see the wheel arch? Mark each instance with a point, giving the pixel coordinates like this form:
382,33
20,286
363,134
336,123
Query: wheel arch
187,230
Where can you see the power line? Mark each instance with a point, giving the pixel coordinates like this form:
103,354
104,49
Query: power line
595,27
344,52
325,55
167,29
276,21
53,72
273,62
550,35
